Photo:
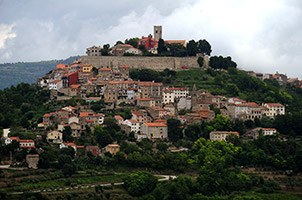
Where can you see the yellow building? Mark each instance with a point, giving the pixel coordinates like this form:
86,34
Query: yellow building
112,148
87,68
55,137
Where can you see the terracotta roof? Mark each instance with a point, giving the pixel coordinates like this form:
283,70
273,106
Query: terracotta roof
86,114
157,108
155,124
119,117
105,69
274,105
136,113
222,132
178,88
46,115
27,147
14,138
55,81
268,129
148,83
113,145
146,99
182,42
133,121
75,86
26,141
69,143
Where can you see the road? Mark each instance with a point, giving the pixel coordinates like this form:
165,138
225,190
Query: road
164,178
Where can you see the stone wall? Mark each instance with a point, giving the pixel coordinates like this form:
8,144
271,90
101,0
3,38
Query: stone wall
140,62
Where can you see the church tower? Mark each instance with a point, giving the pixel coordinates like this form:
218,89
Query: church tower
157,32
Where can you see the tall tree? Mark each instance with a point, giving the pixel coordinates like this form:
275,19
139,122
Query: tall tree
174,130
200,61
161,46
192,49
204,47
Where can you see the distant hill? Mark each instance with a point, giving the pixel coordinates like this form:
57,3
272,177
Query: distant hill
27,72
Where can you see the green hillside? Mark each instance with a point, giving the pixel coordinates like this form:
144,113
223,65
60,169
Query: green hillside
27,72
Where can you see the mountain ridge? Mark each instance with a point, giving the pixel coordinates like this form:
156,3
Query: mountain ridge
27,72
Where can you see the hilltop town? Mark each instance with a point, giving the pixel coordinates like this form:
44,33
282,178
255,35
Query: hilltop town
108,109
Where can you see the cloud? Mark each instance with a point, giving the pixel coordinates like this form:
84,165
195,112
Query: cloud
6,33
263,36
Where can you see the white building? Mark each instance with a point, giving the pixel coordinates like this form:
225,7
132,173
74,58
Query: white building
133,124
168,96
134,51
66,145
180,92
55,85
274,109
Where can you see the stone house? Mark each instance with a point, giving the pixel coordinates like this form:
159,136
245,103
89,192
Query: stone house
221,135
156,112
145,102
74,90
184,104
32,161
95,150
154,131
75,129
151,90
54,137
170,109
119,119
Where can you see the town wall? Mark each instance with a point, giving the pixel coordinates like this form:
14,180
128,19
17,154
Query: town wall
141,62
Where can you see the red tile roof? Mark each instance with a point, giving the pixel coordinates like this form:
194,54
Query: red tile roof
274,105
55,81
136,113
155,124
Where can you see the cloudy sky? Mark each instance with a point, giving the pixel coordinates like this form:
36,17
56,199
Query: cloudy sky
260,35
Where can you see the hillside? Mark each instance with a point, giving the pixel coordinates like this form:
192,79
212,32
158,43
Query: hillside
27,72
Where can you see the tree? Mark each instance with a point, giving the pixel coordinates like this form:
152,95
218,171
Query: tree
140,183
174,130
64,159
161,46
221,123
204,47
67,134
162,147
192,49
177,50
68,169
103,137
200,61
105,50
118,42
132,41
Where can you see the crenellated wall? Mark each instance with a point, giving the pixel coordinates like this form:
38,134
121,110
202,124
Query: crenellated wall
140,62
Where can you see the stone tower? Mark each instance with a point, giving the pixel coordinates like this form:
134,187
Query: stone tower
157,32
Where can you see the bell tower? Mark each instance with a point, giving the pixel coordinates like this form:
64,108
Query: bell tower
157,32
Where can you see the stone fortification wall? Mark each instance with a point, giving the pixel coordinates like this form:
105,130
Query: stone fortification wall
139,62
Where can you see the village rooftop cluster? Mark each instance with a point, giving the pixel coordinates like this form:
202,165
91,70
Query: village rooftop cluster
152,104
